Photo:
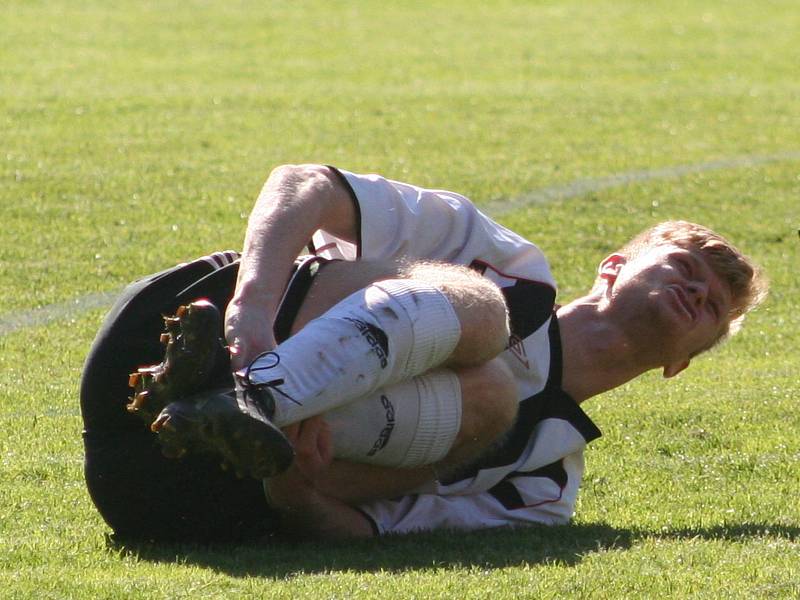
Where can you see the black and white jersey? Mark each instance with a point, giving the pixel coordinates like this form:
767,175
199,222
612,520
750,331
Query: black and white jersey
534,474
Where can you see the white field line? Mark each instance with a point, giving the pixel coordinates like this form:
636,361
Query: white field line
581,187
12,322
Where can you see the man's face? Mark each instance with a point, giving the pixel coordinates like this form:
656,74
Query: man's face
673,300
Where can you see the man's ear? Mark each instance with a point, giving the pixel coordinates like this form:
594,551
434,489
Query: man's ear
609,268
673,369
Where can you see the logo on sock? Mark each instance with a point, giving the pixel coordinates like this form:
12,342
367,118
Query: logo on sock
375,337
386,432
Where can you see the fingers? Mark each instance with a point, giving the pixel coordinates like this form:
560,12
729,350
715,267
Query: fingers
310,436
237,352
316,440
233,338
312,444
291,432
248,332
244,348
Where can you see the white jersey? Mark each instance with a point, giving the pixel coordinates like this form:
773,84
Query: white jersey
534,476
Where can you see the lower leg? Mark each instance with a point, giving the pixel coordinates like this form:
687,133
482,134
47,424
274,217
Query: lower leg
386,333
389,331
489,409
477,302
488,400
469,304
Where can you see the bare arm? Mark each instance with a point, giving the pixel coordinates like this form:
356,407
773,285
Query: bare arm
304,509
354,483
294,202
306,512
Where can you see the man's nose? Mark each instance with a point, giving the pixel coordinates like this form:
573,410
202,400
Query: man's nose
698,292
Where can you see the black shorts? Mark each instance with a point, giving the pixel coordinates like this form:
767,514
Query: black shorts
139,493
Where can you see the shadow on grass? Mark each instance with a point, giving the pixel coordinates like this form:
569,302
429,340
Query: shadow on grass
732,532
277,558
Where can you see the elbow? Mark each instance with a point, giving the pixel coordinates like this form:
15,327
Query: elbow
313,183
299,173
319,192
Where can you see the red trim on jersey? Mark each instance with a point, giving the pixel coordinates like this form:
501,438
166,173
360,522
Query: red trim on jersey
517,277
553,501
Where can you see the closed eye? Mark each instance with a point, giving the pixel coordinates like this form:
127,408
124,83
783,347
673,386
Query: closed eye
685,267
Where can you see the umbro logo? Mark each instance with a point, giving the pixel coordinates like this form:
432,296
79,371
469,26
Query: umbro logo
517,348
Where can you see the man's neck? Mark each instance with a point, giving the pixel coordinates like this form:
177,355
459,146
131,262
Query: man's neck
597,355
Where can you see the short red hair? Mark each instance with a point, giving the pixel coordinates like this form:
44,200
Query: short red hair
747,282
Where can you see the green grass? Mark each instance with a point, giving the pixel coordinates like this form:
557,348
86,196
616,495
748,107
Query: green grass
136,135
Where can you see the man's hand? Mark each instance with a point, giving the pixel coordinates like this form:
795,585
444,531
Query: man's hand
248,331
296,201
294,488
304,509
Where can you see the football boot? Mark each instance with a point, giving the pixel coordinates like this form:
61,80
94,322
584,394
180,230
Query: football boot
192,346
233,426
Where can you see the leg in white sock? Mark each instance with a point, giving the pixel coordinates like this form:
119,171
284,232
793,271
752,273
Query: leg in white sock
388,332
409,424
489,404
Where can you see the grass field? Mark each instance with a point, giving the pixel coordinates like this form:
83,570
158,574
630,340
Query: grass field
134,135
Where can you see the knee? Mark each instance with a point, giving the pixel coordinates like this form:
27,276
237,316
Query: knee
489,402
484,327
479,305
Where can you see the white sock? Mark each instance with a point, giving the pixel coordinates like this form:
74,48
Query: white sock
409,424
385,333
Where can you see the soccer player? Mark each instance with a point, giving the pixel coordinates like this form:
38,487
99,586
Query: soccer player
417,364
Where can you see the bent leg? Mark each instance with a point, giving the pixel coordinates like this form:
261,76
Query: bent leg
489,410
488,399
409,424
405,323
477,302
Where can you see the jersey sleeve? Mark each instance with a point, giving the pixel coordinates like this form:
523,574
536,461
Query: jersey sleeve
545,496
401,221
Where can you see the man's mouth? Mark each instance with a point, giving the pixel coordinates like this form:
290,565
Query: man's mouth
682,300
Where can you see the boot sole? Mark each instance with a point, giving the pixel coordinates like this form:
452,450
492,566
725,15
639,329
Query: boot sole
191,340
249,446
